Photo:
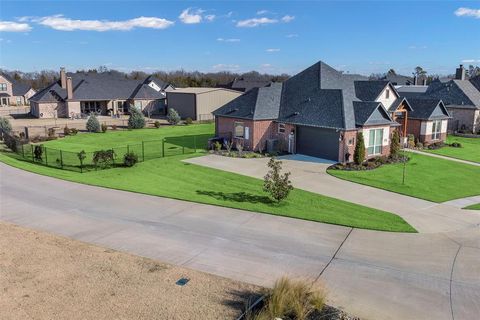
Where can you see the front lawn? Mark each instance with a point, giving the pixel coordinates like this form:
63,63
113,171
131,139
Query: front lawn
469,151
172,178
428,178
473,207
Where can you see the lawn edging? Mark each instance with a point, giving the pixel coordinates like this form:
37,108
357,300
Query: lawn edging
401,226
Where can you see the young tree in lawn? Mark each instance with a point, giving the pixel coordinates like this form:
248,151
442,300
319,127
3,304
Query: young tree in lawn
136,119
359,154
173,117
276,183
93,125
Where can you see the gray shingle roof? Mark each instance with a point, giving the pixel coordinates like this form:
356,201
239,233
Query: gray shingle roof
369,90
18,88
411,91
455,93
427,109
476,82
398,102
102,86
246,84
370,113
319,96
256,104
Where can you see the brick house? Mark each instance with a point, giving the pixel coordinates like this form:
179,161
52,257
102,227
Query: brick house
105,93
428,120
462,100
317,112
13,92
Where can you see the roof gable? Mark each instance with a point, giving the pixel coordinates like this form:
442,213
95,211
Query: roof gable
428,109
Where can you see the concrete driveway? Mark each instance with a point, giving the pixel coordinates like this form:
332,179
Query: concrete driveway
375,275
310,174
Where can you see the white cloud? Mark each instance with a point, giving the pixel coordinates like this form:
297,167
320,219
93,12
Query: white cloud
266,65
470,60
210,17
272,50
228,40
226,67
10,26
292,35
467,12
262,12
287,18
190,16
255,22
59,22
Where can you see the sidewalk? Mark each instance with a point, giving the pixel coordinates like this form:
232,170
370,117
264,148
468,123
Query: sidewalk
443,157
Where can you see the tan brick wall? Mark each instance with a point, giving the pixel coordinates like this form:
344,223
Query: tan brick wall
464,118
46,110
9,86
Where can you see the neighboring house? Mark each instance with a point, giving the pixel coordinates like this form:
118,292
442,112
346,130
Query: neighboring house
198,103
427,120
245,84
317,112
399,80
82,93
13,92
462,99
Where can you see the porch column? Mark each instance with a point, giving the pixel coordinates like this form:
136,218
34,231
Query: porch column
405,123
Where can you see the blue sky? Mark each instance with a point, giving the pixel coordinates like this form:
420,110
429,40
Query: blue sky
267,36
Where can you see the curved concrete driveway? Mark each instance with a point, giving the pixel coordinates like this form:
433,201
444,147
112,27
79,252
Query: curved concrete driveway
375,275
424,215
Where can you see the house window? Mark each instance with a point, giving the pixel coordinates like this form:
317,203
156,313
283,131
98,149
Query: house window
351,141
19,101
3,87
239,130
387,93
375,139
281,128
436,128
121,106
138,105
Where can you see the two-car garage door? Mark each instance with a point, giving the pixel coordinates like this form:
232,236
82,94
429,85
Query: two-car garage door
317,142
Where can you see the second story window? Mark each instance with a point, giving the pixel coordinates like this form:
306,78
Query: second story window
387,93
3,87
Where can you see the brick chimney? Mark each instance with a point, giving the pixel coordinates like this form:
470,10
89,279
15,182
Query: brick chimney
460,74
69,88
63,78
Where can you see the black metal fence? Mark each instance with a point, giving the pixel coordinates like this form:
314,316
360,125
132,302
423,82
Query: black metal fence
82,161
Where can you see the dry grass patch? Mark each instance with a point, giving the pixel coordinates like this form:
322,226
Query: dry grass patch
49,277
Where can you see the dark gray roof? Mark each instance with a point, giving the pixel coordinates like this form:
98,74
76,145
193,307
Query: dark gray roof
397,79
247,83
18,88
256,104
101,86
4,94
455,93
476,82
402,99
369,90
427,109
370,113
319,96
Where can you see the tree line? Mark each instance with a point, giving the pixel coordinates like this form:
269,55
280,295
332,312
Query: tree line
178,78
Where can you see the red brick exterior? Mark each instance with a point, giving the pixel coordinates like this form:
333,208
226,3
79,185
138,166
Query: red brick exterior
261,130
415,128
427,139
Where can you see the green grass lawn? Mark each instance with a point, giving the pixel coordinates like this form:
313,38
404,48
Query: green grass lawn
469,151
428,178
473,207
172,178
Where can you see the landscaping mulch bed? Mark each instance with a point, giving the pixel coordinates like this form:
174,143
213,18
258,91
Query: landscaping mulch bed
370,164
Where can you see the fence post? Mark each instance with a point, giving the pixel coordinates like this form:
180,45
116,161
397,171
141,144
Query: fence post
33,159
113,155
143,151
46,159
61,159
163,148
195,143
